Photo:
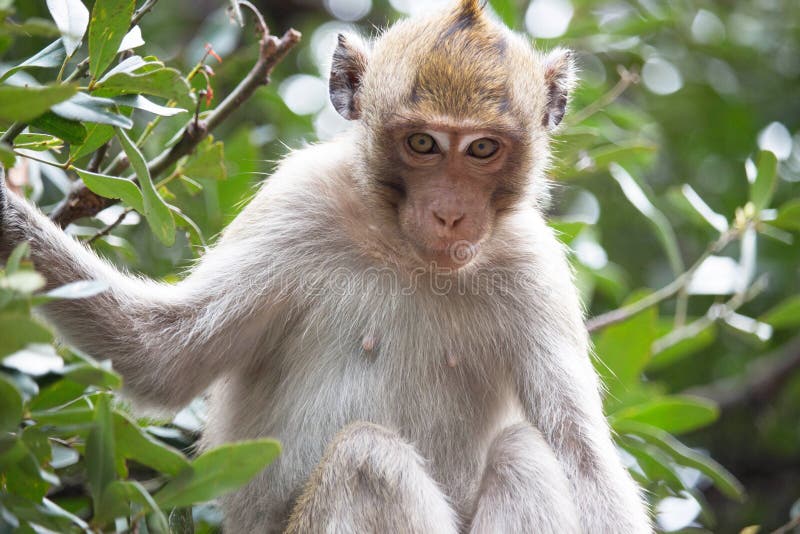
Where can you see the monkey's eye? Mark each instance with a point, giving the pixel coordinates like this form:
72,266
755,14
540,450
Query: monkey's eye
483,148
422,143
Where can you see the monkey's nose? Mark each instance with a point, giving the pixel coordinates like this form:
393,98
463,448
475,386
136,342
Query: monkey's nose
448,219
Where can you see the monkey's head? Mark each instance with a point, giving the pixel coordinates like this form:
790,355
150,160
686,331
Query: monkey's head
454,113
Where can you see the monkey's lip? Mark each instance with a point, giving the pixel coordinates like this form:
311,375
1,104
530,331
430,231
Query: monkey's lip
451,256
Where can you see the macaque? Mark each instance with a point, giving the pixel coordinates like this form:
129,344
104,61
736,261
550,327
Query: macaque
391,306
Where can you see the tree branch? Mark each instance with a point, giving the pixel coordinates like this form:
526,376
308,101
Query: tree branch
604,320
83,203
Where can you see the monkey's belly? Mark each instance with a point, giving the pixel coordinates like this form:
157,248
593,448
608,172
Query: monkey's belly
447,412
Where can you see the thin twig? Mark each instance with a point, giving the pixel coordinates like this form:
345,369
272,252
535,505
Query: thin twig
626,312
626,79
142,11
272,51
107,228
98,157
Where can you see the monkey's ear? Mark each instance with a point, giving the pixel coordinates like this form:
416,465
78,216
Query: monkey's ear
560,78
347,69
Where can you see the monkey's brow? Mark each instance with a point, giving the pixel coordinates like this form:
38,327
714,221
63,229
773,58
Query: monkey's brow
410,122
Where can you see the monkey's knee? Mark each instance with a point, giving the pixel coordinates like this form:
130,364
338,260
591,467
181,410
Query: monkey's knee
371,480
524,488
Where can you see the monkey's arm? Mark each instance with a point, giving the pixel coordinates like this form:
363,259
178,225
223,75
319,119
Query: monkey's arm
560,394
168,341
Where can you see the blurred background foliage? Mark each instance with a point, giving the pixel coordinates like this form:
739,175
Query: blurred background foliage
677,180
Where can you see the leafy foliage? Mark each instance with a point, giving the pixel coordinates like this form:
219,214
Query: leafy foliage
678,196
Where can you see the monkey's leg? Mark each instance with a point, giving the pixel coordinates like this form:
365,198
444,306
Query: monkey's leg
524,488
371,481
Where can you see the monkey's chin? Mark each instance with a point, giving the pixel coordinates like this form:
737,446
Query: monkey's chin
450,259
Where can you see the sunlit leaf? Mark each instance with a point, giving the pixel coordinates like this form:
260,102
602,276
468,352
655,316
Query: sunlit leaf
113,187
85,108
164,82
72,18
674,414
50,56
156,211
109,24
682,454
133,39
134,443
218,471
140,102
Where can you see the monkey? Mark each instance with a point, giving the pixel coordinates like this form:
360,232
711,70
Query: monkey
391,306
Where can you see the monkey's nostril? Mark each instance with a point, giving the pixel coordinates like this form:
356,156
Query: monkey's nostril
448,220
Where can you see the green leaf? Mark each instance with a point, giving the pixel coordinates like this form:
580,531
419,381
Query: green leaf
10,405
26,103
17,255
116,503
763,185
624,349
98,135
50,56
72,18
136,444
681,343
682,454
207,162
73,132
218,471
194,232
58,393
655,464
17,330
113,187
676,414
163,82
7,157
784,315
37,141
85,108
789,216
109,24
639,200
92,375
140,102
156,211
100,450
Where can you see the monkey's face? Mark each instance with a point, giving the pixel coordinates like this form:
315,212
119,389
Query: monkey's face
446,183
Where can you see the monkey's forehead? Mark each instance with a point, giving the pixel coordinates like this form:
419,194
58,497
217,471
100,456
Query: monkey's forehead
455,65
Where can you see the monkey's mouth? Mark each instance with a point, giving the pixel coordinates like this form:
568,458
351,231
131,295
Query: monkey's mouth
450,257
